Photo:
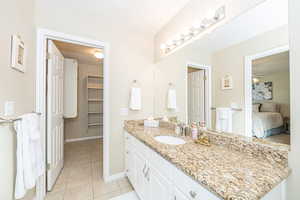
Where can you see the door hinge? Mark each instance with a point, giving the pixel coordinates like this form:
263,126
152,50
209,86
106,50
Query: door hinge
48,166
48,56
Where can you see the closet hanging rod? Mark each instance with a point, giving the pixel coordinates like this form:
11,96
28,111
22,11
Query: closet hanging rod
4,120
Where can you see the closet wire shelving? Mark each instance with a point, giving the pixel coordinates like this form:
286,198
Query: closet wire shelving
95,86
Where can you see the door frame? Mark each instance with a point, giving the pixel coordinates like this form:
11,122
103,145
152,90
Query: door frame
248,83
42,36
208,93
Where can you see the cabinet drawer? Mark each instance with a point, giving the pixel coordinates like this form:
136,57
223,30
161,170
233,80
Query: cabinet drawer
142,149
189,187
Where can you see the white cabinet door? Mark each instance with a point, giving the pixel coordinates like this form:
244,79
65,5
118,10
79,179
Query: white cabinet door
159,186
141,181
178,195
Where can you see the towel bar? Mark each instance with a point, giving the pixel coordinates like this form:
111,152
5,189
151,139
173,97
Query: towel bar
4,120
234,109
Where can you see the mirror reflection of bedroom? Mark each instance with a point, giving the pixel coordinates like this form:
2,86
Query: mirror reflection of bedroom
271,98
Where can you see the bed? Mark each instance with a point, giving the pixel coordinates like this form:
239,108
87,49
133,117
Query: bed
267,120
265,124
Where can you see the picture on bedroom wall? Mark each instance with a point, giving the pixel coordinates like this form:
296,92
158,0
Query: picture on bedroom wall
262,91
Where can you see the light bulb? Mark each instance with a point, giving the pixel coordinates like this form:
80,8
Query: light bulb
163,46
255,80
99,55
177,38
186,32
197,25
210,14
220,13
206,22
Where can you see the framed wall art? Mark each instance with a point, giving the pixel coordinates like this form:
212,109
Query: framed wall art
262,91
227,83
17,53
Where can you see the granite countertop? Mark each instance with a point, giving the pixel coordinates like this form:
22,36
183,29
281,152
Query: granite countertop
233,167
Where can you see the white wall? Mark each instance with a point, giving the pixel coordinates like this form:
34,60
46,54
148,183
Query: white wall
17,17
293,191
173,69
78,127
131,56
281,90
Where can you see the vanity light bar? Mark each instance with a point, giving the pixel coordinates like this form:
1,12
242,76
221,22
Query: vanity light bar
194,31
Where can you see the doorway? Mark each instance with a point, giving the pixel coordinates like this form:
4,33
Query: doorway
44,36
267,98
198,94
74,113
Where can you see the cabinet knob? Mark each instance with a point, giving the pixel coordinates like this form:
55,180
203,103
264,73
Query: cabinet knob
193,194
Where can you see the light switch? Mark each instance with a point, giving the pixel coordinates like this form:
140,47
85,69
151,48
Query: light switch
9,108
124,111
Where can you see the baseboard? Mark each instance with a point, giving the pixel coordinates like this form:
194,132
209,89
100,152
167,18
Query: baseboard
82,139
114,177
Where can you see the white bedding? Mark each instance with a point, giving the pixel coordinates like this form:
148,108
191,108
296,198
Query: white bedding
264,122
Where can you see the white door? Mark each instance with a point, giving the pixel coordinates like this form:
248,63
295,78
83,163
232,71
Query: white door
159,186
55,122
178,195
196,96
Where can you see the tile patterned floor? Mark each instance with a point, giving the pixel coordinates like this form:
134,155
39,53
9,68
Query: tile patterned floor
81,178
127,196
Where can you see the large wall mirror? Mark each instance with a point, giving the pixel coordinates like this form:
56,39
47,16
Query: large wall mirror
247,90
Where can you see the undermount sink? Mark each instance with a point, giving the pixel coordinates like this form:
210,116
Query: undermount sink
169,140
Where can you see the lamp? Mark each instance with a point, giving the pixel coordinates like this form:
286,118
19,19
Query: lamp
194,31
255,80
99,55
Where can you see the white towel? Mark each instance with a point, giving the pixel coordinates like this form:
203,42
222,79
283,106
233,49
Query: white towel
135,99
224,120
172,99
29,154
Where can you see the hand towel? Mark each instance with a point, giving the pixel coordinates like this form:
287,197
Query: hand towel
172,99
224,120
29,154
135,99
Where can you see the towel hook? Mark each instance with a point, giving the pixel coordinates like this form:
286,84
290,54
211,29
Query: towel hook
135,83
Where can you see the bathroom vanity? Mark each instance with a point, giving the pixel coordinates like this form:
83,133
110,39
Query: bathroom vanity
183,171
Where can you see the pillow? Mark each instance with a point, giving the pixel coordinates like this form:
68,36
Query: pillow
269,107
255,107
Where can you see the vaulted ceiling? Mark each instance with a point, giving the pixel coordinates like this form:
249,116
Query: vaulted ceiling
83,54
147,16
271,64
